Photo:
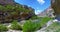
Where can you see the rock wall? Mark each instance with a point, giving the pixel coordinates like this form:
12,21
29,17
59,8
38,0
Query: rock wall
55,4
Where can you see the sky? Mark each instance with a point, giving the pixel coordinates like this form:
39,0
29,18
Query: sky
38,5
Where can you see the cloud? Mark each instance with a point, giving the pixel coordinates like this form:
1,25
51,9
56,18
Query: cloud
41,1
37,11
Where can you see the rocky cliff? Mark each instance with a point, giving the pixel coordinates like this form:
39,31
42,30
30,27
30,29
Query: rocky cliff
10,10
47,12
56,6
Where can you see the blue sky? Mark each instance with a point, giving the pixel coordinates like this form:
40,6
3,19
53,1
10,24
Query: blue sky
38,5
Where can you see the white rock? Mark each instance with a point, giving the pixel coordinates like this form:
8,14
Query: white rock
55,20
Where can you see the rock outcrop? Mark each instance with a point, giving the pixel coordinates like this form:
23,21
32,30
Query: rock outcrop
55,4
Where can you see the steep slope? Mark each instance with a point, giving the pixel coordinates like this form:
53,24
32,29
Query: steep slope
10,10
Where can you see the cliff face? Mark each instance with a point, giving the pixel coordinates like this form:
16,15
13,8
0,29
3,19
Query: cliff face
47,12
56,6
9,10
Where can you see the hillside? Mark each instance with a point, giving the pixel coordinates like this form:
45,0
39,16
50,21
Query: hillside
10,10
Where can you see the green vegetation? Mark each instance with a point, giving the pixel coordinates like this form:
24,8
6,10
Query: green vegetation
3,28
16,11
44,20
15,25
21,12
2,8
55,27
30,26
14,8
34,17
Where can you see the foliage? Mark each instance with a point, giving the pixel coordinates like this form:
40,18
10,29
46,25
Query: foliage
14,11
3,27
34,17
2,8
55,27
44,20
15,25
9,7
17,7
30,26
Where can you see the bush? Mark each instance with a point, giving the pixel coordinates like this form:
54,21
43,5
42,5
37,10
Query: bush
15,25
3,28
30,26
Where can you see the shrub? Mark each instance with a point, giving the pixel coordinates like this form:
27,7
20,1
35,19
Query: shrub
3,28
15,25
2,7
30,26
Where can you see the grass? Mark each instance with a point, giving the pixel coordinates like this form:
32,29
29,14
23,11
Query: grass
3,28
55,27
44,20
30,26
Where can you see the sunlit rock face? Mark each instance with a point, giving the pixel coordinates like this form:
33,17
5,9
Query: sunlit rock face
47,12
56,6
